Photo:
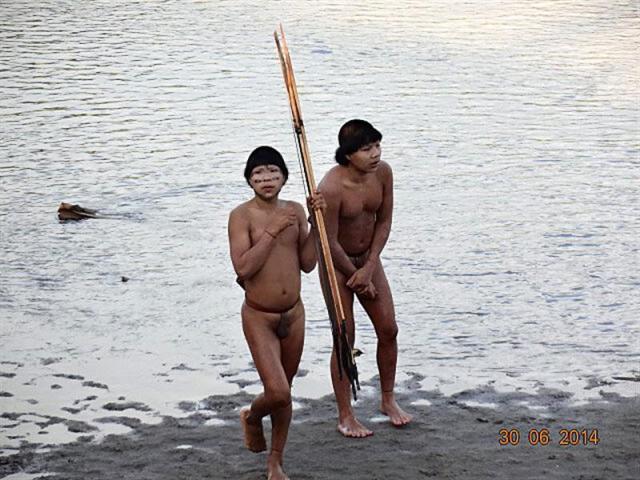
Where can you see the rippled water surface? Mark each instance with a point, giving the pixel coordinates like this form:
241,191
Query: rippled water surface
512,128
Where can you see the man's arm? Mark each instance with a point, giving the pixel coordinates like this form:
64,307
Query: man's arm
332,196
382,227
307,243
247,260
306,247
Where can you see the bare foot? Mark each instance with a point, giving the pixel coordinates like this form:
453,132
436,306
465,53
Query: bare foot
275,471
350,427
398,417
253,434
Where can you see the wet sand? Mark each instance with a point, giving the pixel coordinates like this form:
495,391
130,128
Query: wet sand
454,437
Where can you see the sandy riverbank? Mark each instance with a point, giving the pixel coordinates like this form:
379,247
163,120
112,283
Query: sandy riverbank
453,437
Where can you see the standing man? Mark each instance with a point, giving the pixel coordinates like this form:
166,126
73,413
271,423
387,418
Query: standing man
270,244
359,196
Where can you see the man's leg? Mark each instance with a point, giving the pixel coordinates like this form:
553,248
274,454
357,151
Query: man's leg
382,314
348,425
259,330
291,351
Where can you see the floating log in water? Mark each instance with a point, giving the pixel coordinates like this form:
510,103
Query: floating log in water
68,211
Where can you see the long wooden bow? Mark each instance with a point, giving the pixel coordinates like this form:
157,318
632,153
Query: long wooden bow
328,281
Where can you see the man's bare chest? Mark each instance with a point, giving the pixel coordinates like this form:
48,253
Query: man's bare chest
366,198
288,236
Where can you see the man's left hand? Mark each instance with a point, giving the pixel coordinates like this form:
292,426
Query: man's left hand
316,201
361,278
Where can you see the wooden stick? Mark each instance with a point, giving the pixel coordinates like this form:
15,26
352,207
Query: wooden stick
306,159
327,261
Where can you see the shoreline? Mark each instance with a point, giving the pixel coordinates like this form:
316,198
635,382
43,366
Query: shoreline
451,437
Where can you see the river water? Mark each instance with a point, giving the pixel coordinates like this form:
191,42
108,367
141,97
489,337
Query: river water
512,128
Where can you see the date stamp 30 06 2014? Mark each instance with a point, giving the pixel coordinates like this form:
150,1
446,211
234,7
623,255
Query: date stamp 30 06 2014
567,437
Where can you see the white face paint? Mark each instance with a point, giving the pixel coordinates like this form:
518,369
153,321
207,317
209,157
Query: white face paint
266,180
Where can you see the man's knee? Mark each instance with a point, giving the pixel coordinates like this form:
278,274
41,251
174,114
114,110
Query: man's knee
388,332
278,397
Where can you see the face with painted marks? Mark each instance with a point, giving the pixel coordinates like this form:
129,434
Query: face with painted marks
266,181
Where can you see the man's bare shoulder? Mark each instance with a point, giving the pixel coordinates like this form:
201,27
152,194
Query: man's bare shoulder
240,211
384,168
291,203
384,173
332,180
297,207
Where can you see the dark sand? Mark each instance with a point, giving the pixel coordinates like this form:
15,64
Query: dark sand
447,440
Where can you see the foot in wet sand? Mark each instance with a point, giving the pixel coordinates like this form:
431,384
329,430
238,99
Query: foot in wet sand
352,428
398,417
275,471
253,434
